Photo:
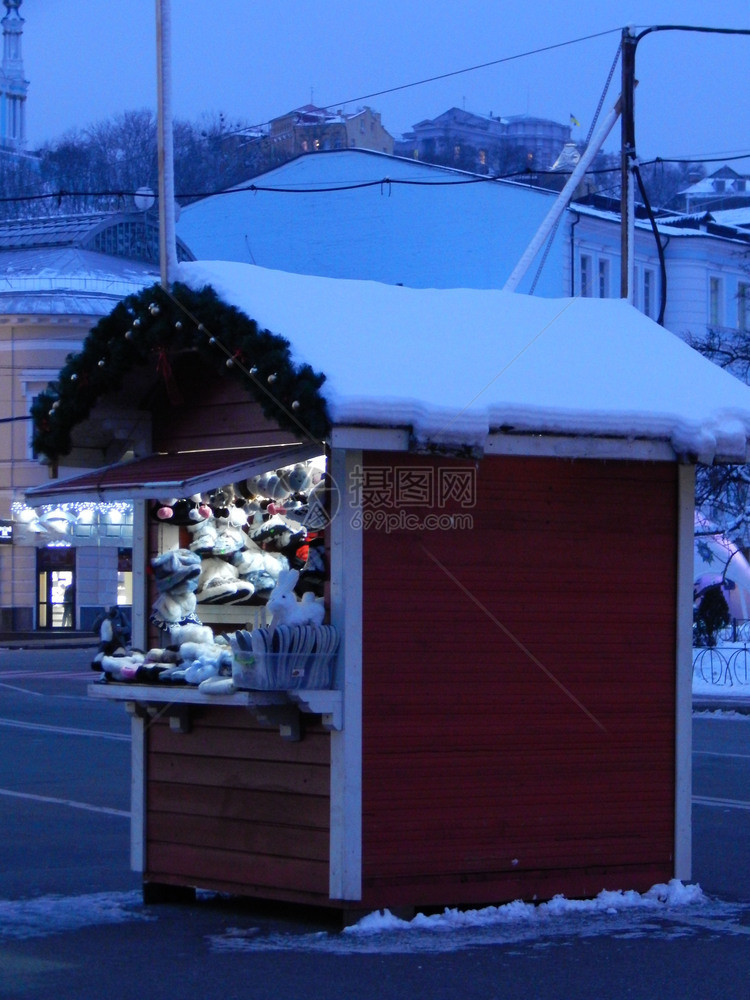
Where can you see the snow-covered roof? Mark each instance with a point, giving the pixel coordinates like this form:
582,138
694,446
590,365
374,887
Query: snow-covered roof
455,365
67,281
362,214
739,217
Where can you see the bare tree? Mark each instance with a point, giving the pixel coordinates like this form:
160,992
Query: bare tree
98,168
723,492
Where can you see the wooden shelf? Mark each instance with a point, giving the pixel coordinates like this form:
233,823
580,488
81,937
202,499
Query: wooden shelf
239,615
274,707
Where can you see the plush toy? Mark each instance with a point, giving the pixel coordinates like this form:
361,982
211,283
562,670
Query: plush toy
254,514
175,607
277,534
163,509
219,501
176,573
203,533
191,632
180,512
229,535
211,662
199,656
268,485
259,568
220,583
313,574
131,667
176,568
296,478
313,513
287,610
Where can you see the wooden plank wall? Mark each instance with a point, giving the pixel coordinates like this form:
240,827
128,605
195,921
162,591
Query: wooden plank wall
194,412
518,729
233,807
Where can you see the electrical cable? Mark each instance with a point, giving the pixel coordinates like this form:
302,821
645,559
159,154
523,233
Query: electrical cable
446,76
380,182
632,152
659,247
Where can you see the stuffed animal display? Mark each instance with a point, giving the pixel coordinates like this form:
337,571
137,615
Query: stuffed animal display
247,534
247,544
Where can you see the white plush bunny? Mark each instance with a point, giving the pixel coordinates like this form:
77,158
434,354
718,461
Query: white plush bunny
287,610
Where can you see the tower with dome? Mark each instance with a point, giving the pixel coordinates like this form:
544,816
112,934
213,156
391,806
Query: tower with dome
13,86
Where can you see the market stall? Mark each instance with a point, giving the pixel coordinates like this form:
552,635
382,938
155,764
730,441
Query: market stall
507,565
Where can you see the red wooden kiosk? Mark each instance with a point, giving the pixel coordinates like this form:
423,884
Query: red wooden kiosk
510,714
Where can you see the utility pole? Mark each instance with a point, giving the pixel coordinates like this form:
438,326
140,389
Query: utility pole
627,156
165,142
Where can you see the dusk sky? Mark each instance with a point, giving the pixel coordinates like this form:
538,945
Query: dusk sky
89,59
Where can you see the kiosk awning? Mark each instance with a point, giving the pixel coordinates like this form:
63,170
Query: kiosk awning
171,475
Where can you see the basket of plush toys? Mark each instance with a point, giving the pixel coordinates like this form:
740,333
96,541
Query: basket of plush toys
296,651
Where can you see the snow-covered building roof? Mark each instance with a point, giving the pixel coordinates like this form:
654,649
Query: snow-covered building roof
722,189
68,282
456,366
362,214
79,265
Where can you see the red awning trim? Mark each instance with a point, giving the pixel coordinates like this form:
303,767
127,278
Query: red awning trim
170,475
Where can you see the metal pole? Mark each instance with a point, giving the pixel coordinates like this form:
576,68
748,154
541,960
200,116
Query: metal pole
561,202
627,152
165,145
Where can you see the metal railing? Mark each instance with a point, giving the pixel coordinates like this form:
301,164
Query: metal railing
722,666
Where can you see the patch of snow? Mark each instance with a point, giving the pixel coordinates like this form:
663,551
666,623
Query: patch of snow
721,715
666,911
673,893
45,915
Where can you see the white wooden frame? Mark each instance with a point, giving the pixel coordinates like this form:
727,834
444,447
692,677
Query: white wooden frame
684,675
345,871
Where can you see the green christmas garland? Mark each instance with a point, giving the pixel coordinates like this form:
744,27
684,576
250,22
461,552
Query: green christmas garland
156,323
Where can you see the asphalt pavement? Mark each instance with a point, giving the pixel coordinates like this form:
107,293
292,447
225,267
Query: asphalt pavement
73,923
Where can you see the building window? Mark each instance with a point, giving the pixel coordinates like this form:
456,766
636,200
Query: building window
603,278
586,276
743,306
714,301
648,292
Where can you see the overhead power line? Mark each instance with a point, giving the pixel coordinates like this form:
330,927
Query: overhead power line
448,75
385,182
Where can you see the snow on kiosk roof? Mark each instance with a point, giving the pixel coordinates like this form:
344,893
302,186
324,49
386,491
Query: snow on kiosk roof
456,365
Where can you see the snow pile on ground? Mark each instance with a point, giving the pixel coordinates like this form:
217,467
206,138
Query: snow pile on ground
666,912
29,918
673,893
